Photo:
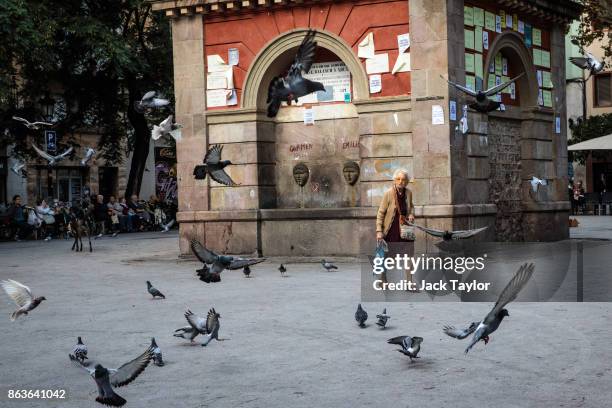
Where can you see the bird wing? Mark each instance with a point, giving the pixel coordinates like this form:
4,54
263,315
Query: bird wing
213,155
416,341
239,263
41,124
20,293
85,365
148,95
304,56
43,154
177,134
500,87
399,340
129,371
17,118
462,234
460,87
166,123
157,132
460,333
66,153
221,177
512,289
205,255
196,322
212,321
580,62
430,231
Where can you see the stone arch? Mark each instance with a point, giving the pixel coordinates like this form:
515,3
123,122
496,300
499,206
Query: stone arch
280,52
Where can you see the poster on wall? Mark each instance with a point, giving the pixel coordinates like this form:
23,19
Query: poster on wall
335,77
166,187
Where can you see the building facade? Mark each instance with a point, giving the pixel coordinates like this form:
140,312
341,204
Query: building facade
313,187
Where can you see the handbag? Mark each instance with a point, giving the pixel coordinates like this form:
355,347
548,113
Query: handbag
406,231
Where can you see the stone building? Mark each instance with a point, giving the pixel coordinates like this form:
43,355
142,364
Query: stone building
297,192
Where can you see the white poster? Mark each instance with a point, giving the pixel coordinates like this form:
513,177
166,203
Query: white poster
217,97
233,56
216,80
452,110
402,64
403,42
309,117
375,83
557,124
437,115
366,47
378,65
335,77
485,40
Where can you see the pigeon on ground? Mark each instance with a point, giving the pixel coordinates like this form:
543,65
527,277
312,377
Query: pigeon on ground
214,166
208,327
483,103
491,322
382,318
80,350
166,127
22,296
107,378
19,169
294,85
89,154
52,159
328,265
536,183
150,100
186,332
410,345
588,61
247,271
218,262
166,227
31,125
154,292
450,235
282,270
157,354
361,316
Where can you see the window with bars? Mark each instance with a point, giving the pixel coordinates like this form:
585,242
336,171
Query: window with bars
603,90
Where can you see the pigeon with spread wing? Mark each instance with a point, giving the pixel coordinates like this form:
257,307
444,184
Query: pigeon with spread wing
483,103
22,296
151,101
89,154
52,159
19,169
588,62
410,345
166,127
31,125
218,262
450,235
214,166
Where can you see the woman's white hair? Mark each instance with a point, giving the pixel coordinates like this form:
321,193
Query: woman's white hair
397,172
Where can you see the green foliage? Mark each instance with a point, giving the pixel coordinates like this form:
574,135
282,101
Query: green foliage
593,127
595,22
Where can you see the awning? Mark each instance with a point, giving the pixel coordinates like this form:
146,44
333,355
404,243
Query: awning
599,143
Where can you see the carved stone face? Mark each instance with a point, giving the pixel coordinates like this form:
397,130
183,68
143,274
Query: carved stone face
301,174
351,172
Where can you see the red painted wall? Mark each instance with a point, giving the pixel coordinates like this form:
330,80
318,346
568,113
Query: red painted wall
352,21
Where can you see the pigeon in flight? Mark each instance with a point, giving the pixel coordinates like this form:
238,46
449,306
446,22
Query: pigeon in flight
214,166
150,100
536,183
294,85
382,318
154,292
166,127
80,350
361,316
410,345
19,169
52,159
31,125
22,296
450,235
282,270
588,61
89,154
166,227
483,103
491,322
218,262
157,354
107,378
205,276
328,265
247,271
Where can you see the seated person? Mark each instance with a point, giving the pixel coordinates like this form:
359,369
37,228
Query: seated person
114,214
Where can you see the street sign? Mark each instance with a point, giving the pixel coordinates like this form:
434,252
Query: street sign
51,140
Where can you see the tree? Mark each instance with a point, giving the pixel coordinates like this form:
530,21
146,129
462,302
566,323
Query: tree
102,54
594,25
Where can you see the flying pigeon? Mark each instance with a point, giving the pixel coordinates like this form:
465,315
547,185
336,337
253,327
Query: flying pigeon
214,166
491,322
328,265
89,154
19,169
107,378
52,159
166,227
80,350
282,270
218,262
294,85
588,61
382,318
205,276
31,125
410,345
450,235
166,127
157,354
154,292
22,296
149,100
536,183
483,103
247,271
361,316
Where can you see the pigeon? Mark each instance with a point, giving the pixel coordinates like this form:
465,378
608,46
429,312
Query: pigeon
22,296
166,127
451,235
208,327
149,100
107,378
89,154
491,322
19,169
214,166
382,318
361,316
588,61
154,292
218,262
294,85
247,271
536,183
166,227
328,265
410,345
483,103
52,159
80,350
31,125
157,354
186,332
282,270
